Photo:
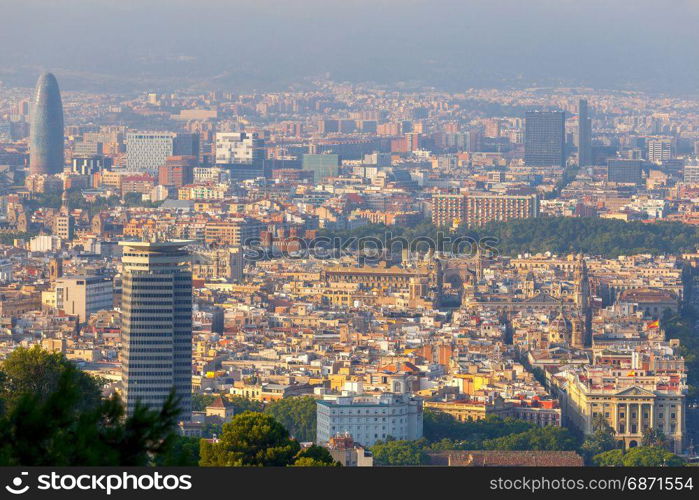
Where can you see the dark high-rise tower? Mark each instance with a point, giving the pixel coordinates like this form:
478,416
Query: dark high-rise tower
46,154
156,324
544,138
584,135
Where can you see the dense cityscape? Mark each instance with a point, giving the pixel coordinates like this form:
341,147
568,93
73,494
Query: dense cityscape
389,277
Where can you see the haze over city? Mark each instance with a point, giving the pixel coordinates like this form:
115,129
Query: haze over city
268,44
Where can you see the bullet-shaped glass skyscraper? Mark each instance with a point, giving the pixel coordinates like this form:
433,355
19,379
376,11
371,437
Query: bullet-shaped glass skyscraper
46,132
156,325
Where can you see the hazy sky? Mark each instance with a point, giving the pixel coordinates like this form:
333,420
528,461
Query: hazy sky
650,45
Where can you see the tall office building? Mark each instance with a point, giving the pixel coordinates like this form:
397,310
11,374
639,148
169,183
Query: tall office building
625,171
322,165
691,174
660,149
239,147
544,138
584,134
147,151
156,324
242,154
46,133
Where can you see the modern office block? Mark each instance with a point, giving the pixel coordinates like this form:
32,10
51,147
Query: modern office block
660,150
46,133
148,151
625,171
584,134
544,138
239,147
156,326
322,165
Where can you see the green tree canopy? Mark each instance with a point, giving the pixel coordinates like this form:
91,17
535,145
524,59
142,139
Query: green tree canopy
314,456
642,456
439,425
8,238
399,453
136,200
538,438
601,440
651,456
200,401
250,439
183,451
654,437
681,326
53,199
310,462
242,404
611,458
52,415
591,235
37,372
297,414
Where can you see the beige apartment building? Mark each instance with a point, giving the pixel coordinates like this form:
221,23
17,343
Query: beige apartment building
83,295
479,209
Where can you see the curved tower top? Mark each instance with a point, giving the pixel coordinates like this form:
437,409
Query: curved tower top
46,133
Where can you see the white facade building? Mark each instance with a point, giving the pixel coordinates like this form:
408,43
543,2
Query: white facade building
370,418
213,175
660,149
691,174
238,147
45,243
146,151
